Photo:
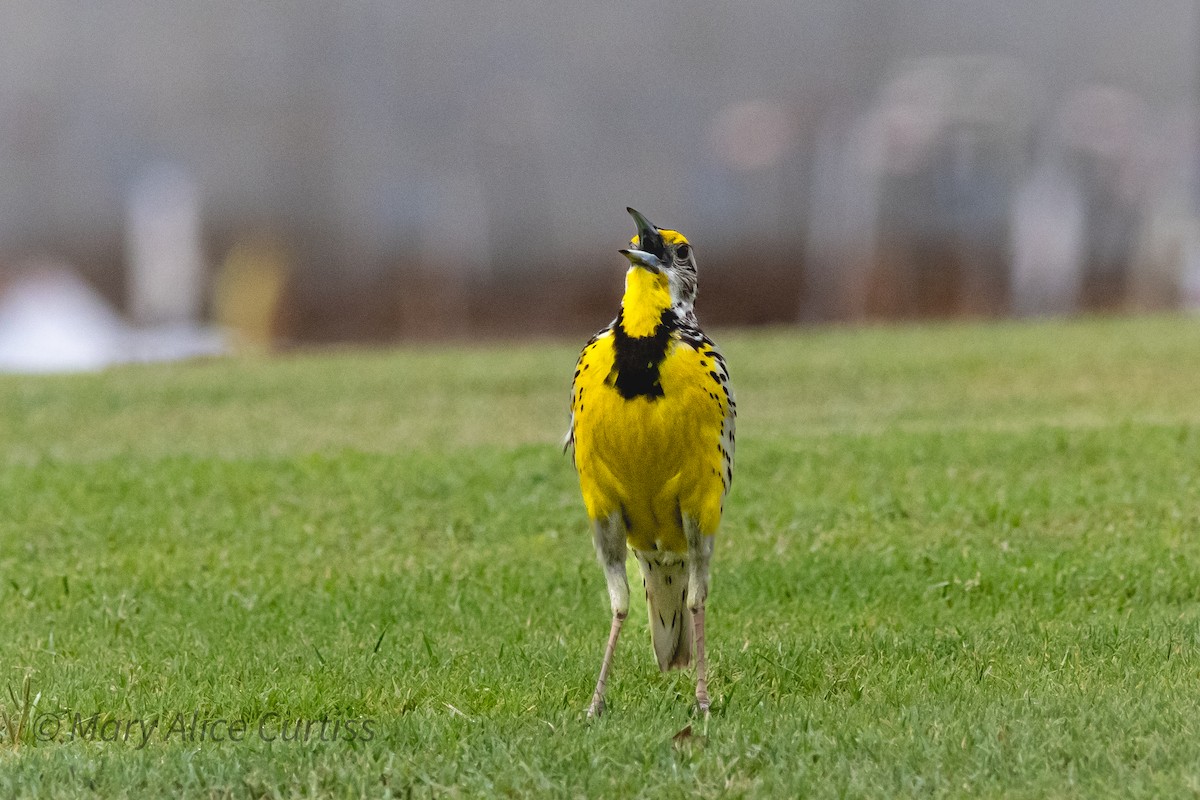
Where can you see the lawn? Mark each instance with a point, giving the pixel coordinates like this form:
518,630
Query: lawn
957,561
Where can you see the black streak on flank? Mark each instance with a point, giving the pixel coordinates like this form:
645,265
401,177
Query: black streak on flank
638,358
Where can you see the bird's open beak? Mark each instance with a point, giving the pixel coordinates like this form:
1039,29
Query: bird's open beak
651,250
640,258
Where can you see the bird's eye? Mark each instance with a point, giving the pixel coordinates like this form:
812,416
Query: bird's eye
682,252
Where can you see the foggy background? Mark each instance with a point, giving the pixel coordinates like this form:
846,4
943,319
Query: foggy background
185,178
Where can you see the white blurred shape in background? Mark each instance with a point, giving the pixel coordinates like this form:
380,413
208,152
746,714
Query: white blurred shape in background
1047,244
52,321
166,266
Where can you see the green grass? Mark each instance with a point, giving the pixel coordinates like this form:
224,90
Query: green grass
957,561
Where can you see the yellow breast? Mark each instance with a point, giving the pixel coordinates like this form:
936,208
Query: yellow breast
652,459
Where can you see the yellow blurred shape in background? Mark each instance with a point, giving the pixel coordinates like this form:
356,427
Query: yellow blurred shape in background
248,289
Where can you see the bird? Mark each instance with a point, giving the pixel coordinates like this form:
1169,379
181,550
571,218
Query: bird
652,440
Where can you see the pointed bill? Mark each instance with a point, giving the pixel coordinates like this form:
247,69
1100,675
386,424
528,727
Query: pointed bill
649,239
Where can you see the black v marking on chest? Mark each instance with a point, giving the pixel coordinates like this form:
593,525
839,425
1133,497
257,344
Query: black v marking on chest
637,359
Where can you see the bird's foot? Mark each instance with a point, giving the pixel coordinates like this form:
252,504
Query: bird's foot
597,707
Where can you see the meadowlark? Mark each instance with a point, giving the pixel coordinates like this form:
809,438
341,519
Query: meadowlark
652,431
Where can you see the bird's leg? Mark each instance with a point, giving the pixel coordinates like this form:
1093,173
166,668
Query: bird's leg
700,549
597,706
609,537
701,661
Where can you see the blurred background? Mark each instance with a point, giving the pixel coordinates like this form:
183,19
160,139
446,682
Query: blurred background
188,178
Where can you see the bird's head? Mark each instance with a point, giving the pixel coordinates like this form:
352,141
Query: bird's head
667,254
